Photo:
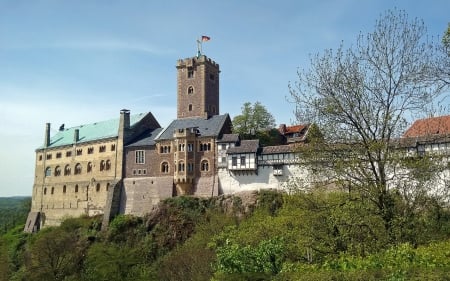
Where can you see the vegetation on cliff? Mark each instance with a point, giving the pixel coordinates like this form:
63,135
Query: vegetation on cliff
253,236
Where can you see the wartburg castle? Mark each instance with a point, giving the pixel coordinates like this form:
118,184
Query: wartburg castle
128,164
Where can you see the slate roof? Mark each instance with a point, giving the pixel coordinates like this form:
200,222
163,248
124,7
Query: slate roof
247,146
210,127
229,138
91,132
429,126
277,149
146,139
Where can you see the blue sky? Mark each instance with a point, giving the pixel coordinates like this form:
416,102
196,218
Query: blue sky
76,62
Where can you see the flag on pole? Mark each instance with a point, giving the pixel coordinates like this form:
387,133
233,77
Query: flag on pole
205,38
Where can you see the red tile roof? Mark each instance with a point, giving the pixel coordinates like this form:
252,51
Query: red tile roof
294,129
429,126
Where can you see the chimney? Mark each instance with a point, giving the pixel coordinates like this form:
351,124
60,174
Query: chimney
47,135
282,129
125,118
76,135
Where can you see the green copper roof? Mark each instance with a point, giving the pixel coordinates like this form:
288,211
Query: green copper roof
91,132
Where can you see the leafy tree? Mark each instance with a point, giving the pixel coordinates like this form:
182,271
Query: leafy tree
253,119
54,255
360,98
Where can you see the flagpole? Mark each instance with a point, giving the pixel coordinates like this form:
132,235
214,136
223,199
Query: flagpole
199,48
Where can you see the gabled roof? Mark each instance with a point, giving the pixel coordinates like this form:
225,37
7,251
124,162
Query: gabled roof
146,139
91,132
210,127
429,126
295,129
246,146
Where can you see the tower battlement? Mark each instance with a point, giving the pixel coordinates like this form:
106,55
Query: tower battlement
191,62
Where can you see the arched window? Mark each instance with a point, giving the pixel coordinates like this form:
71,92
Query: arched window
76,188
53,190
107,186
190,90
45,191
64,189
57,171
181,166
48,172
78,169
67,170
108,165
89,167
97,187
204,165
165,167
102,165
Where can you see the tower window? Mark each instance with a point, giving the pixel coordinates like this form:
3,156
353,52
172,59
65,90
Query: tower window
211,77
205,166
165,167
190,107
190,72
190,90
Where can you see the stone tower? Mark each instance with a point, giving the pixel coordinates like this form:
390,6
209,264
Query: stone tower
198,87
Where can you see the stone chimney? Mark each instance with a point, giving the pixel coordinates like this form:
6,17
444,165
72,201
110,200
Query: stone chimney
47,135
76,135
124,119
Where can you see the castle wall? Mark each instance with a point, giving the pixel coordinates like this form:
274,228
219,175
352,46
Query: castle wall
236,181
139,195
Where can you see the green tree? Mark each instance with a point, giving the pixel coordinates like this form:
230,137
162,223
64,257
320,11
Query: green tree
360,97
54,255
253,119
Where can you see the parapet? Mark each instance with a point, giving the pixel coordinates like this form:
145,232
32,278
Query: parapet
190,62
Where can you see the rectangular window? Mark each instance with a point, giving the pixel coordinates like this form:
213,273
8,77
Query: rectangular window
234,161
224,159
58,154
140,156
68,153
49,156
190,73
224,146
242,160
40,157
190,147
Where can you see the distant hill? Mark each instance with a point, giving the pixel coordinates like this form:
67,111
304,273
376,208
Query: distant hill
13,211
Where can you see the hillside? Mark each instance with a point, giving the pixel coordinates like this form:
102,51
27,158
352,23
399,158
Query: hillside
252,236
13,211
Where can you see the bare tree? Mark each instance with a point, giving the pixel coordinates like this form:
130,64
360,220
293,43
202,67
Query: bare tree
361,98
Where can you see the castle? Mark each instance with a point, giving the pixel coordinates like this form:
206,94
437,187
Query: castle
127,165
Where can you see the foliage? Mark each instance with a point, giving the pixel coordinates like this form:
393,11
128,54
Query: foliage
302,236
13,212
360,98
253,119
